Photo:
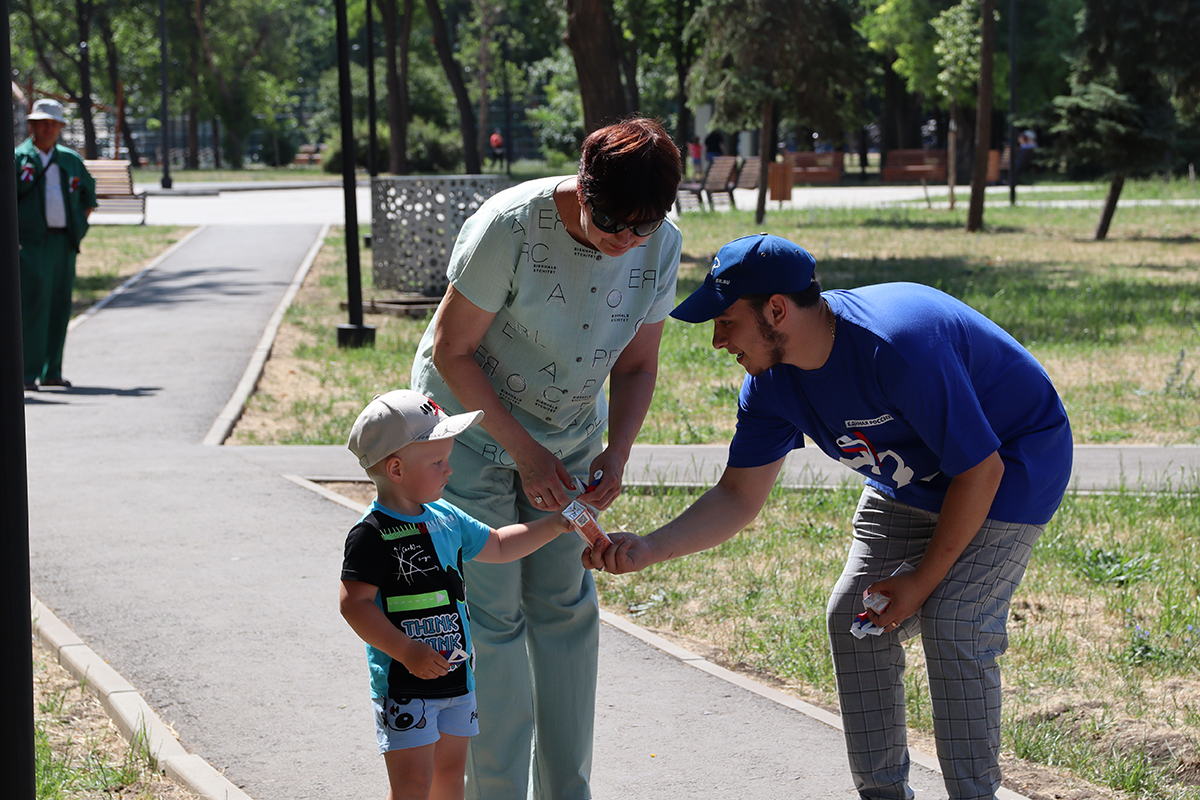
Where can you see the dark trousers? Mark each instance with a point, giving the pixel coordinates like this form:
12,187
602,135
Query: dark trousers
47,281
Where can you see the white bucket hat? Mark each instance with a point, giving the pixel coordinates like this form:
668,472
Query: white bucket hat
47,109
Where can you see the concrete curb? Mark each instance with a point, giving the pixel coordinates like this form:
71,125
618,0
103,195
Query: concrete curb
133,716
223,425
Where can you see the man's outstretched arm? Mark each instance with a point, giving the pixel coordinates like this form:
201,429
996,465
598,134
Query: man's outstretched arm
714,518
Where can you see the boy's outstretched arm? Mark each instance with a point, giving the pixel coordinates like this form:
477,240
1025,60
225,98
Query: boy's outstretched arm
357,602
520,539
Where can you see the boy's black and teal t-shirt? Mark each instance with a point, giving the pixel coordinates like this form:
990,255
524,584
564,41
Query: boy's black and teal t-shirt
416,562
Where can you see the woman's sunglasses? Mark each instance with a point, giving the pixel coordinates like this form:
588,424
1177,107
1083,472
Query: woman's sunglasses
609,225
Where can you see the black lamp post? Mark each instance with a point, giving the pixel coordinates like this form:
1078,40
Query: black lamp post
355,334
17,757
1012,102
166,125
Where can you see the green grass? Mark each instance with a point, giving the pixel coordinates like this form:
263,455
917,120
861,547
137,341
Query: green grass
1115,323
1171,189
71,764
293,172
1087,310
1105,627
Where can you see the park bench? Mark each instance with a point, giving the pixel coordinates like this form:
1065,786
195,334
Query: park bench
914,165
818,167
308,154
720,179
750,173
114,188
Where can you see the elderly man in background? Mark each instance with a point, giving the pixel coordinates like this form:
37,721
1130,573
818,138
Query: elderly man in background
55,197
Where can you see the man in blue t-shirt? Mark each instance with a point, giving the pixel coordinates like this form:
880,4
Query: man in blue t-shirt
966,451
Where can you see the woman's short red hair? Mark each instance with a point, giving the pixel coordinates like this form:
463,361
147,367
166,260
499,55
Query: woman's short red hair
631,170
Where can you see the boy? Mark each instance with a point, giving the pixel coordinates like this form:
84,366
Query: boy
403,593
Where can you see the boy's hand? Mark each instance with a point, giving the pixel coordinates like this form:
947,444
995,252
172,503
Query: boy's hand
424,662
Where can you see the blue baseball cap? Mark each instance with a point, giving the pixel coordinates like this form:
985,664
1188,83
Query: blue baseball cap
758,264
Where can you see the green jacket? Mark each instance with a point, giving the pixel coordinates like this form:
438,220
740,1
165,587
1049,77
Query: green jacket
78,187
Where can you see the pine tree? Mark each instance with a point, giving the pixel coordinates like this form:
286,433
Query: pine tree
1135,59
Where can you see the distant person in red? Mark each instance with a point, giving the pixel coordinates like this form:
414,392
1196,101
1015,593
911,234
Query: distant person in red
696,151
497,144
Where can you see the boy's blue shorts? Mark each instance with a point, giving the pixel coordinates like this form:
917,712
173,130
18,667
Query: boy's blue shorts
404,724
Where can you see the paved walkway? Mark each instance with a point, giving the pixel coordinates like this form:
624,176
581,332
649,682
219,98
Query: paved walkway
207,579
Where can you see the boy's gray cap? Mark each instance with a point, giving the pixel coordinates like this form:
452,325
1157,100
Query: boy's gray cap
47,109
399,418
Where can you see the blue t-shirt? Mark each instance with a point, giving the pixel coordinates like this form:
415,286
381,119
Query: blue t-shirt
416,562
919,388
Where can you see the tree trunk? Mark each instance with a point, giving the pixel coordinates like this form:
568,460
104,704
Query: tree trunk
683,134
629,64
114,83
216,142
372,104
135,157
966,143
83,16
765,137
900,126
193,113
482,137
1110,206
983,128
235,144
889,124
509,143
864,146
396,38
193,137
952,152
593,43
232,99
466,114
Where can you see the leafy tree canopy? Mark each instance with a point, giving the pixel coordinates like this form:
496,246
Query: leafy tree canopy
959,40
803,56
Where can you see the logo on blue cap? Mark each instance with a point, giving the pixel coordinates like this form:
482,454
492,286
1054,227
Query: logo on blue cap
758,264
